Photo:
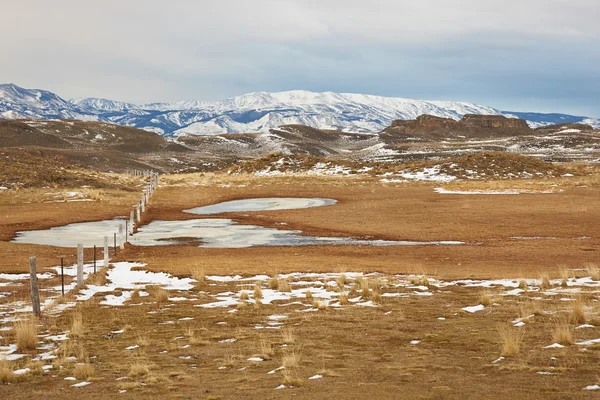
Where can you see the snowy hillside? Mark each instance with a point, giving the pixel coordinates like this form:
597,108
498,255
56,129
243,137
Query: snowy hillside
253,112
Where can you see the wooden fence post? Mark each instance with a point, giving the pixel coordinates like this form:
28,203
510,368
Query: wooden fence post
121,236
131,222
35,291
79,265
138,213
105,251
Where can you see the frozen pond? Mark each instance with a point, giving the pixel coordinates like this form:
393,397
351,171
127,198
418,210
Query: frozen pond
263,204
90,234
209,232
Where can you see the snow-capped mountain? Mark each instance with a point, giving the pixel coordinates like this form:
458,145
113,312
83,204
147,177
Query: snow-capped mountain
253,112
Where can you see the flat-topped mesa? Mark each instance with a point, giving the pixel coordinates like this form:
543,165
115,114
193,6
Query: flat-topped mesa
493,122
470,125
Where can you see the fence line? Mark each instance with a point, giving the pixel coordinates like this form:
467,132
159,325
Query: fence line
125,229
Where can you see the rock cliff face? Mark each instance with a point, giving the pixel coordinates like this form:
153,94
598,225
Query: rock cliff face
470,125
493,122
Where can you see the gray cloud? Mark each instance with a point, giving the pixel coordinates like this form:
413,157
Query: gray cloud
530,55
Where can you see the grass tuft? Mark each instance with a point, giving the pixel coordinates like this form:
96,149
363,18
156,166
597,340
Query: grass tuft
6,372
83,370
158,294
577,315
485,298
545,281
511,339
139,368
284,285
287,335
258,294
26,334
563,334
77,328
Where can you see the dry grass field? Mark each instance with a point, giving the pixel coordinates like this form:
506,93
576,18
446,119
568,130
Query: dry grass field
511,313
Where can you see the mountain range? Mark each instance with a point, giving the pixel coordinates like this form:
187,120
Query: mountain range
253,112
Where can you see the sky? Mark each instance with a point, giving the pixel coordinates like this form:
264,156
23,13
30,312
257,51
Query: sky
515,55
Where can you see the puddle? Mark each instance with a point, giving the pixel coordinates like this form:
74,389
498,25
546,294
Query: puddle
210,232
262,204
90,234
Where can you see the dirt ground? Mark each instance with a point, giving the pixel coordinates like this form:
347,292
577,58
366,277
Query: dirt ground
360,352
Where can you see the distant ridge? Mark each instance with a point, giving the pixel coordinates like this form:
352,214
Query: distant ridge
253,112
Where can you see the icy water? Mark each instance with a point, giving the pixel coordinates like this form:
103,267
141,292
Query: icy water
263,204
209,232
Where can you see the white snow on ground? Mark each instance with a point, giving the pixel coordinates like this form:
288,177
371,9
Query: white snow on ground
428,174
495,192
474,309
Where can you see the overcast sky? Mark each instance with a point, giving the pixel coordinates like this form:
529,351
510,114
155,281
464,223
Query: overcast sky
521,55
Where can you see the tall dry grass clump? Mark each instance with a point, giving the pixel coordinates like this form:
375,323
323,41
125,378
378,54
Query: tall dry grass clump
6,372
485,297
99,278
577,315
287,336
158,294
77,327
258,294
511,340
274,283
199,275
563,272
139,368
563,334
290,378
594,270
284,285
545,281
291,359
344,299
83,370
26,334
266,349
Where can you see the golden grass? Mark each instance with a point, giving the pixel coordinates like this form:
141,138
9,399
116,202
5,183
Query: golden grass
376,296
485,297
523,284
143,341
341,281
258,294
274,283
308,294
244,295
545,281
563,272
77,327
83,370
419,280
35,367
290,378
511,340
195,338
563,334
26,334
291,359
199,275
6,372
344,299
287,336
284,285
139,368
266,349
577,315
99,278
594,270
158,294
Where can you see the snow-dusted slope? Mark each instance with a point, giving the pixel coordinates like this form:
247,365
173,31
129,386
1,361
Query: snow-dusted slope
253,112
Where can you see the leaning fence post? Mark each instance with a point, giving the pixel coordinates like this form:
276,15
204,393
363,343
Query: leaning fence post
138,213
79,265
35,292
105,251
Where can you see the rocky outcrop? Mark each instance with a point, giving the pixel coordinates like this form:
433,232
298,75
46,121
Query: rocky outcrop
493,122
470,125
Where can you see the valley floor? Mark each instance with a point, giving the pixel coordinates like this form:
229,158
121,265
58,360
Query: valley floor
378,322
